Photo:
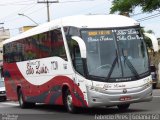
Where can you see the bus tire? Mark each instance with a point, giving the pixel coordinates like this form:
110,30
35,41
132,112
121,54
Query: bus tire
23,104
68,102
123,106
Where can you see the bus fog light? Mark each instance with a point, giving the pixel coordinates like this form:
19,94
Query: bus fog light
94,100
151,94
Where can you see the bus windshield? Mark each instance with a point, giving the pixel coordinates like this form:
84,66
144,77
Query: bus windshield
118,54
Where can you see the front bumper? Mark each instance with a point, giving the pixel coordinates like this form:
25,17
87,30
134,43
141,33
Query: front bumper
3,97
2,94
113,97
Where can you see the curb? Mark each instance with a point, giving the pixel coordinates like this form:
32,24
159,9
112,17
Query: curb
158,86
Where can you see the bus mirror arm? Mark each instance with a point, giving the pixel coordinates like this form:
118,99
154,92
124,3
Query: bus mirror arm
81,44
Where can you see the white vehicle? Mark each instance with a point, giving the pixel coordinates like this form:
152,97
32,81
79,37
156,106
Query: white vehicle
2,91
79,61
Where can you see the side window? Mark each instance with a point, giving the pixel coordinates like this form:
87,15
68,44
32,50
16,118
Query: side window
12,52
17,52
20,50
35,46
44,45
57,44
7,52
30,52
30,48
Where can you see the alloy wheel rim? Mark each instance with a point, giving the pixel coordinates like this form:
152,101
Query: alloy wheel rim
69,102
20,100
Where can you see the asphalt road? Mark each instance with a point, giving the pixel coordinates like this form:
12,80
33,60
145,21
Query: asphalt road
139,111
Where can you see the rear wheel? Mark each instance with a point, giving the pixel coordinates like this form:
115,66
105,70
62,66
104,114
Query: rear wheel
22,102
123,107
68,101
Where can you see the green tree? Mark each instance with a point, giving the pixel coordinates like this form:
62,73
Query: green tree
148,40
123,6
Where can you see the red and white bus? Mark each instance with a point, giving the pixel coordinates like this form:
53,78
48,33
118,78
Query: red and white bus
79,61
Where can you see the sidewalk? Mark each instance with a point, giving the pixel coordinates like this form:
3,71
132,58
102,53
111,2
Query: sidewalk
158,86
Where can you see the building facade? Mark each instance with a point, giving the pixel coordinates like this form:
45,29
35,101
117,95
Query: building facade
4,34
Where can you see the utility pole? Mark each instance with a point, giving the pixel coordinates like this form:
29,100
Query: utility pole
47,2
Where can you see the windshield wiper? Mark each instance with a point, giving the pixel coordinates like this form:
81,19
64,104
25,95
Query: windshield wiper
112,67
130,66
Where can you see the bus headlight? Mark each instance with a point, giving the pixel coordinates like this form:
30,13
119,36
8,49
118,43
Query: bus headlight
148,84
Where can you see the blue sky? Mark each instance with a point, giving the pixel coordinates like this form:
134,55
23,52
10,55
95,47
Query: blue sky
10,9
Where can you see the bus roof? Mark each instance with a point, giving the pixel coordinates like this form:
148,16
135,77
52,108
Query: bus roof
80,21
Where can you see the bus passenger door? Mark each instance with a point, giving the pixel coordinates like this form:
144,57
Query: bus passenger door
80,86
77,60
79,79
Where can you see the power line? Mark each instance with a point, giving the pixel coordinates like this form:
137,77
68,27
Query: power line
15,13
47,2
17,3
28,8
56,1
76,1
136,14
37,10
148,17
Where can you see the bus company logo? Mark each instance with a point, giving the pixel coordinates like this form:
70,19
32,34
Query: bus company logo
107,86
29,70
36,68
119,85
124,90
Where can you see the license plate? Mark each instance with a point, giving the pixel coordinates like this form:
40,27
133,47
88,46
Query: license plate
125,98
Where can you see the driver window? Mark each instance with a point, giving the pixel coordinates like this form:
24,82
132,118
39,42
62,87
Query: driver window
76,56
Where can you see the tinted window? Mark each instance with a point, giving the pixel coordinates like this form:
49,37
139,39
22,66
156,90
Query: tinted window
57,44
35,47
44,45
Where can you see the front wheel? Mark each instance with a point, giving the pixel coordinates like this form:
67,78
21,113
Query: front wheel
68,101
123,107
22,102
